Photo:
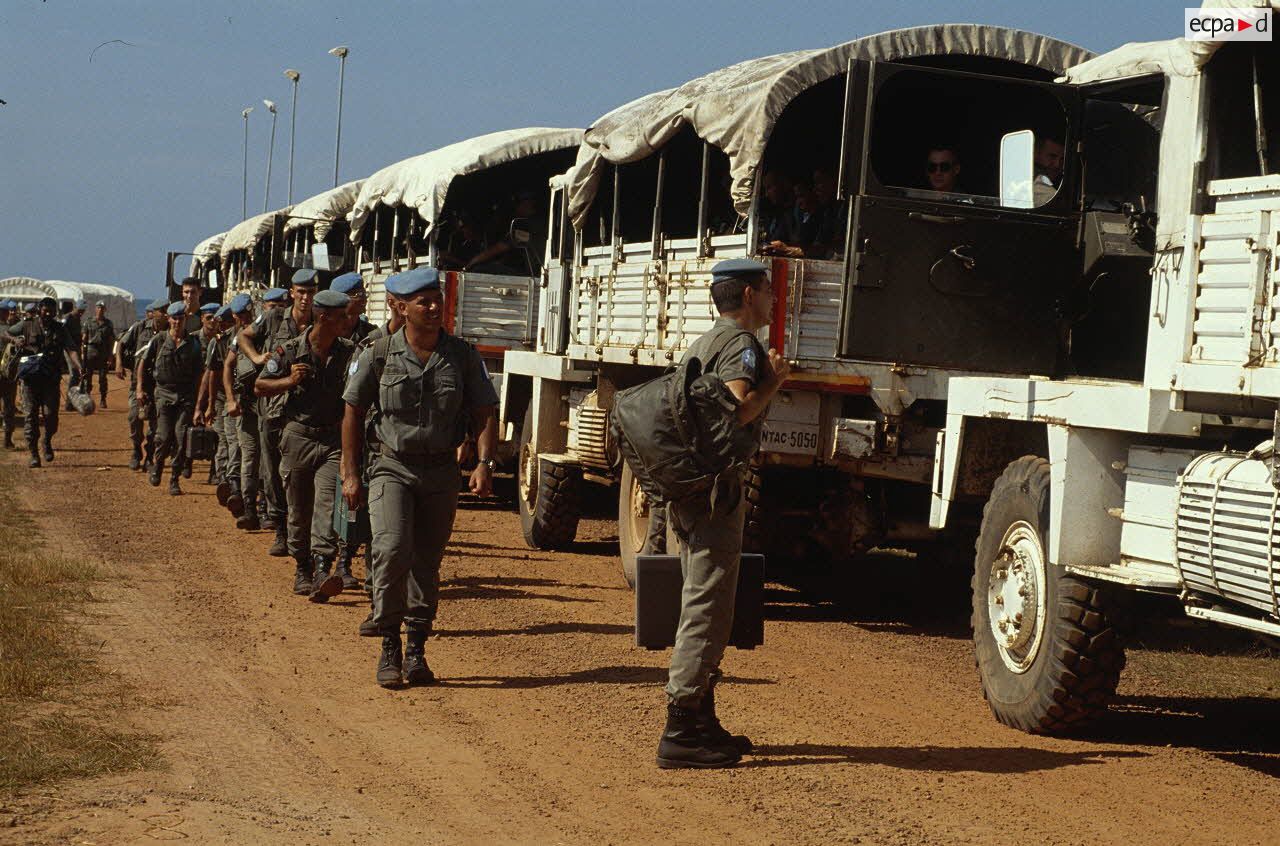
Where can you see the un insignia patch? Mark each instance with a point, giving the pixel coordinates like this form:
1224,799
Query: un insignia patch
351,371
749,358
273,366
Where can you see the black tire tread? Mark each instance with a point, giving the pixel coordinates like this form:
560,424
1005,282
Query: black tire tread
1086,652
553,523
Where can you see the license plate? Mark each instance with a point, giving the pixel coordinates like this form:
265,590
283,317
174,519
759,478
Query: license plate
788,437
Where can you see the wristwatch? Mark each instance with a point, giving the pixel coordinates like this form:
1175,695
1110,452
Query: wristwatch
490,463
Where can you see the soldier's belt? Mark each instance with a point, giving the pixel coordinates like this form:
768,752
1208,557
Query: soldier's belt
427,459
320,433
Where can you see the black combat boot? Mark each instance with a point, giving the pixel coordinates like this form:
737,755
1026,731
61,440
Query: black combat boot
280,546
302,577
416,670
716,733
135,460
48,449
684,746
222,492
8,437
35,458
389,661
349,582
368,628
323,585
235,504
247,519
174,490
213,476
157,470
186,468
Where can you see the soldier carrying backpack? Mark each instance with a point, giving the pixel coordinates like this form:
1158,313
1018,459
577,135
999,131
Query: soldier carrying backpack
713,406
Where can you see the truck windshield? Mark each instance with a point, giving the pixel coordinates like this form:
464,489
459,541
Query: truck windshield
1244,85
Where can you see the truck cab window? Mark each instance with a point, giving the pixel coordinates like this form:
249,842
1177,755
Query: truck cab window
937,137
1233,137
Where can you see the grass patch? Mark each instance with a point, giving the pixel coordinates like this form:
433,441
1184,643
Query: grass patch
52,728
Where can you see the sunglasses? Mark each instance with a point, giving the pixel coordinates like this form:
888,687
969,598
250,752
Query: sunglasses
944,167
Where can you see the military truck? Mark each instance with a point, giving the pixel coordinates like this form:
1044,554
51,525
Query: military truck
1160,473
912,287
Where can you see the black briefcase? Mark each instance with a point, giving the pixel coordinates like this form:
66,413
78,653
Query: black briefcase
202,443
658,588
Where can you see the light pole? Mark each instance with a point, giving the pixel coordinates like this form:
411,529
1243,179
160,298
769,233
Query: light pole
293,76
244,190
266,194
341,53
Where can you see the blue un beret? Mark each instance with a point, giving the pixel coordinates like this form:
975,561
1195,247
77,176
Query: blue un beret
209,308
223,312
736,269
331,299
306,276
275,295
346,283
240,303
411,282
9,304
158,305
176,309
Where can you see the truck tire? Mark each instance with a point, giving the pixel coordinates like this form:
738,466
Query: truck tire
634,525
1048,656
548,495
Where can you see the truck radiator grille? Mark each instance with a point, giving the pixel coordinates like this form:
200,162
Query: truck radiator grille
1227,537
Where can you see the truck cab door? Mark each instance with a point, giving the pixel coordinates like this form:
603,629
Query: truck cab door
952,279
553,306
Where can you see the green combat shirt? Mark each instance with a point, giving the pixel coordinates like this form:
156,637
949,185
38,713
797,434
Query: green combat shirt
742,358
425,408
99,336
317,401
174,369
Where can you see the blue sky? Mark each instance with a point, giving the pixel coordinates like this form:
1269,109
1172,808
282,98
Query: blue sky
106,164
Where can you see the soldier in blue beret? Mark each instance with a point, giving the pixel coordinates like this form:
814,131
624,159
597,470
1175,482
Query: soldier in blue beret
308,372
710,527
429,388
131,343
257,343
241,421
169,371
352,284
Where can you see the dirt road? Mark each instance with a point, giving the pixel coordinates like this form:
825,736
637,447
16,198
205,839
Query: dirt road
868,729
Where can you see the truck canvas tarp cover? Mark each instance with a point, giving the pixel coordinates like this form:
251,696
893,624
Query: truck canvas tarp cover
422,182
735,108
1180,62
323,209
118,302
206,251
246,234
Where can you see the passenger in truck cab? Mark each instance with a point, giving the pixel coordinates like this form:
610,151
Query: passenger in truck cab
463,242
775,208
505,256
1049,156
942,168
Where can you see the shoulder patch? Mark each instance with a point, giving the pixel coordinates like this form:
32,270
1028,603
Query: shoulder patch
353,367
273,365
749,358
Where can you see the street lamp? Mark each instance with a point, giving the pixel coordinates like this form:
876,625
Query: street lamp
293,76
341,53
266,194
244,189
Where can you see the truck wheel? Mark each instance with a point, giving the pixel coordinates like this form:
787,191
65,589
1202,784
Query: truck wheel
1048,656
634,525
548,495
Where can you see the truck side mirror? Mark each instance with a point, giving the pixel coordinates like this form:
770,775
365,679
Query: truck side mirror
1017,169
519,233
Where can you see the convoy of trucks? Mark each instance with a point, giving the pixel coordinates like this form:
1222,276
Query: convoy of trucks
1063,375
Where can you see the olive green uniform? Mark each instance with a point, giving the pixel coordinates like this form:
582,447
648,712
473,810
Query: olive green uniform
710,528
170,376
424,412
8,395
272,330
98,336
132,342
40,396
227,460
311,441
